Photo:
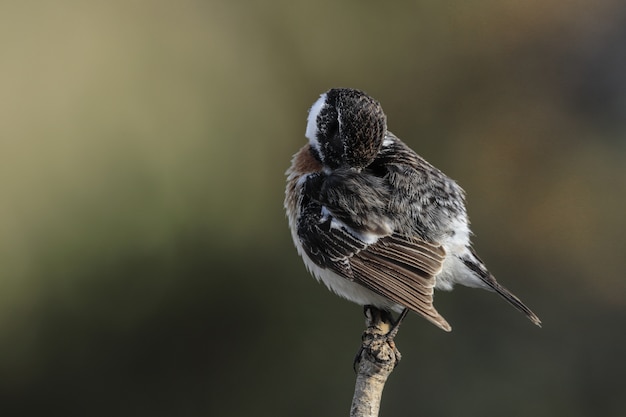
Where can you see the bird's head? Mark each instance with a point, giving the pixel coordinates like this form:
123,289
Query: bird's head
346,128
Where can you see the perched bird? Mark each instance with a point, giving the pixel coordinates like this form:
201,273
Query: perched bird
372,219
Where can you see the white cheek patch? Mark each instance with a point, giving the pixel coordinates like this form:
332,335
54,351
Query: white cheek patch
311,125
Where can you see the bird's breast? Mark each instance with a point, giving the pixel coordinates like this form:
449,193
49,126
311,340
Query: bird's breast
303,164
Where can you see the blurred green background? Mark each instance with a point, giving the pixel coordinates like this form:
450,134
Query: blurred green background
146,267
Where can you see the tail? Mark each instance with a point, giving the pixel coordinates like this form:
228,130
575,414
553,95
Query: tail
478,267
511,298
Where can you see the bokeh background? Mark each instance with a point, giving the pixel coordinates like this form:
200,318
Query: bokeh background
146,268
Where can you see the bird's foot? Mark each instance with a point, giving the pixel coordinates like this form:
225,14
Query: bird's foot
378,345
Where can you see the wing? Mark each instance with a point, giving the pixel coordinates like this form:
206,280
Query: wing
399,268
402,269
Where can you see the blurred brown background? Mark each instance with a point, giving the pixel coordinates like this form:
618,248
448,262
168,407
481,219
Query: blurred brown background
146,268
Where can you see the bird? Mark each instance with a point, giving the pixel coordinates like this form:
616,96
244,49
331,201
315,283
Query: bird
373,220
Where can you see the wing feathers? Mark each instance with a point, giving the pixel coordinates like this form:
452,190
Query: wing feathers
402,270
398,267
422,257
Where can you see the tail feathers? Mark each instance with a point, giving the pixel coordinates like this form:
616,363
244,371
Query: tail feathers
478,267
511,298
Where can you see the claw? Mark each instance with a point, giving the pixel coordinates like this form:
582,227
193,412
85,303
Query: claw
381,327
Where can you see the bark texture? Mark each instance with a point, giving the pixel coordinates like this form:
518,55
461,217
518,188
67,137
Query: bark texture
375,361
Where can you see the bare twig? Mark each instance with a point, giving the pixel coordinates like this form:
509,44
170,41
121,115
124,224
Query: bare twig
375,361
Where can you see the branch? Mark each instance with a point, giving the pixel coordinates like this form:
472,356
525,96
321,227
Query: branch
375,361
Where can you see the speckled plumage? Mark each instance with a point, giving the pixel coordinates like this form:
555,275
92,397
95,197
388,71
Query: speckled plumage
372,219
